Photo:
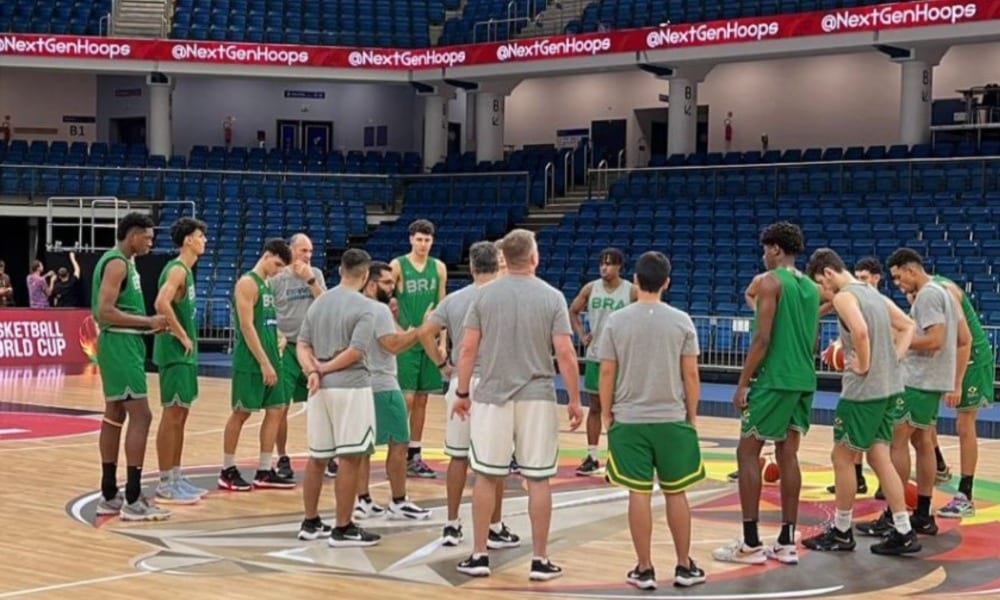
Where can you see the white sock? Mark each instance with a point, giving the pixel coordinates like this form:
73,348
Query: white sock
167,476
175,473
592,452
901,521
842,520
228,460
496,527
265,461
454,523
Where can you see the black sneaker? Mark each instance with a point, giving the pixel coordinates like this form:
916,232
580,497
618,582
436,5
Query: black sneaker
314,529
476,566
543,570
502,539
271,479
418,468
878,494
733,477
284,468
588,467
230,479
897,543
831,540
452,535
352,536
862,488
688,576
924,525
880,527
331,468
644,580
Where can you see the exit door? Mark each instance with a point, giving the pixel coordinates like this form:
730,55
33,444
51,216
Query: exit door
307,136
608,140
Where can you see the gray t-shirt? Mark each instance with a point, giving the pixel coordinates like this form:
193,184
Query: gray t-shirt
647,341
933,371
339,319
600,306
451,313
292,297
381,363
517,316
883,378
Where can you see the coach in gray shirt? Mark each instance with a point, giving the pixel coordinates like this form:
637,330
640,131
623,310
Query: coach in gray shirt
512,328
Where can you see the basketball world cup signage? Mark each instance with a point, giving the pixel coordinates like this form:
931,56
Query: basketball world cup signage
32,337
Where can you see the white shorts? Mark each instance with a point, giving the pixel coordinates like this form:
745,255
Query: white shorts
456,432
340,422
527,428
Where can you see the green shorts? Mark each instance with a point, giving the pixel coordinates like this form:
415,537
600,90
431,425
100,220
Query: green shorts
770,414
977,387
592,377
417,373
919,408
178,385
860,425
294,381
121,358
392,423
670,450
249,393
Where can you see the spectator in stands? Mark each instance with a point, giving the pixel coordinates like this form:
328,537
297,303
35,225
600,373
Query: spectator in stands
6,289
66,287
6,129
39,286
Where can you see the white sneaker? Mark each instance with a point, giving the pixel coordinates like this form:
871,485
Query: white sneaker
367,509
784,553
738,552
407,510
142,510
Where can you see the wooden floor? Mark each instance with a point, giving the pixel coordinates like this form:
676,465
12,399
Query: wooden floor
234,545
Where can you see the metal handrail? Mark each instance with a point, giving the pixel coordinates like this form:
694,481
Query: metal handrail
569,171
602,174
104,25
621,157
550,183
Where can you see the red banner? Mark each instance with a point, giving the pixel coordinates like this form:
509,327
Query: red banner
46,336
685,35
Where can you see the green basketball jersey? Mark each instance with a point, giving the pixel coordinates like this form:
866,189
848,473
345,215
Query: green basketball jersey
130,298
265,322
789,363
167,349
419,291
982,351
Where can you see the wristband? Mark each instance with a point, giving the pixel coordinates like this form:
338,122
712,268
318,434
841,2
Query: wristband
462,395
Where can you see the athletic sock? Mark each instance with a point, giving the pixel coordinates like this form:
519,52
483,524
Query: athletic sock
496,527
592,452
109,480
133,484
398,501
413,451
176,474
265,461
228,460
901,521
166,476
965,485
787,535
750,536
859,473
842,520
923,507
366,498
941,466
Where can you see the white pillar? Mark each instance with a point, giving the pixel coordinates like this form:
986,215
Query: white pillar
915,102
682,116
470,122
489,126
158,129
435,130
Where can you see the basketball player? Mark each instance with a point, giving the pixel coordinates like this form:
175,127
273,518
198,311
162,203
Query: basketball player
933,369
876,335
420,283
334,341
392,426
256,380
295,288
516,322
176,356
599,298
780,359
119,309
651,416
484,259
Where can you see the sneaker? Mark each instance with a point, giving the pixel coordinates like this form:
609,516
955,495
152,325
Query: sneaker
879,495
230,479
284,468
588,467
644,580
476,566
111,507
943,475
897,543
515,469
418,468
407,510
314,529
543,570
960,506
452,535
366,509
738,552
331,468
171,492
191,488
352,536
831,540
497,540
862,488
880,527
688,576
271,479
924,525
733,477
786,554
142,510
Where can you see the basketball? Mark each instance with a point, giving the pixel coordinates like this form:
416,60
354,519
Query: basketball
911,495
833,356
771,472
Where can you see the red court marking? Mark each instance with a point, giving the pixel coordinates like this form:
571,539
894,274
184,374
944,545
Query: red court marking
32,426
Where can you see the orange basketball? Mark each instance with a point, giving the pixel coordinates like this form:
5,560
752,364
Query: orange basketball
911,495
772,473
834,355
